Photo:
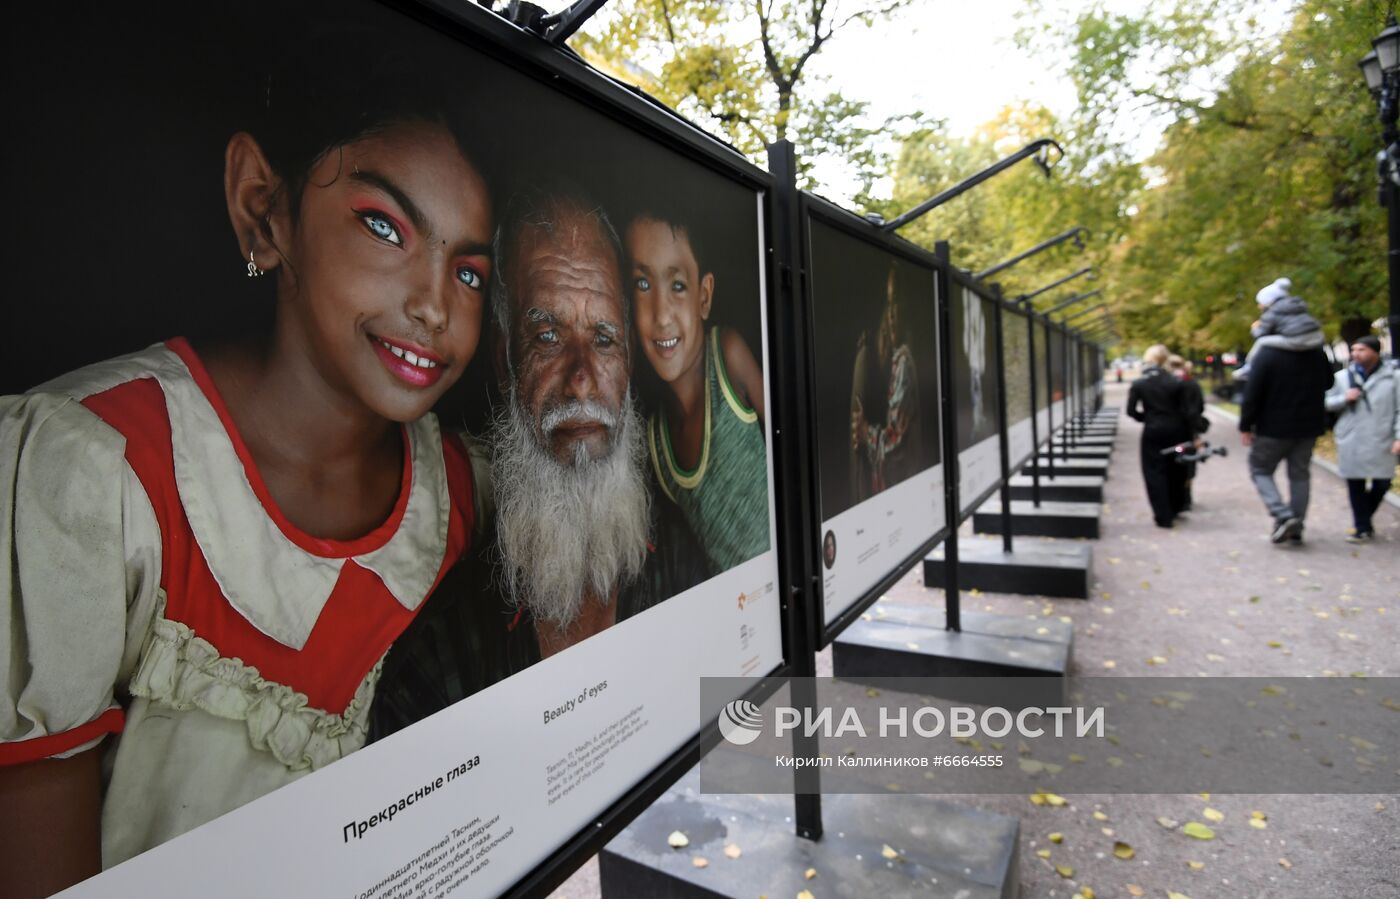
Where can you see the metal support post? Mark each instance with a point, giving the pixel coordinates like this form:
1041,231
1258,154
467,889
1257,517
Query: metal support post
952,597
801,534
1005,437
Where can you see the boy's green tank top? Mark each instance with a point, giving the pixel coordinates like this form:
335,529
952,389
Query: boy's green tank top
725,498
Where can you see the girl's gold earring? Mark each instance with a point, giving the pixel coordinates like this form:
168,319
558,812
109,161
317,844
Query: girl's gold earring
253,270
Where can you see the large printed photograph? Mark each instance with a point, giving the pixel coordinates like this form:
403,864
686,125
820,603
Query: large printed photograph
876,351
1016,335
974,366
1059,366
1040,342
375,373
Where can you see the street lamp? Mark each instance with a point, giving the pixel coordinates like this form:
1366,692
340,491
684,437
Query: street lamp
1076,234
1381,68
1087,270
1077,298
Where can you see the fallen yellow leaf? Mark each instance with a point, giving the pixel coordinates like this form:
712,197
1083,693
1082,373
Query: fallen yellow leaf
1064,871
1135,890
1285,863
806,894
1196,866
1123,850
1198,830
1043,853
1172,894
678,840
1168,823
1100,816
1056,837
732,851
809,873
1213,815
700,862
1258,823
888,852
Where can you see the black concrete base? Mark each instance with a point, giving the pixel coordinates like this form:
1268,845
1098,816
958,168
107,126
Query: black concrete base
1073,466
1051,519
895,641
1064,488
1085,440
944,849
1033,568
1081,450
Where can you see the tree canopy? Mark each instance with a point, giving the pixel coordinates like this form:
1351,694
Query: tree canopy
1265,167
741,69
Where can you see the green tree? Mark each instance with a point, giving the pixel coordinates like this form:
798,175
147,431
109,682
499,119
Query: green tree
742,69
1265,169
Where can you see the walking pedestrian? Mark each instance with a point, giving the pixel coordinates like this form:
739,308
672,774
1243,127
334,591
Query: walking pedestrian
1366,394
1160,402
1281,418
1195,415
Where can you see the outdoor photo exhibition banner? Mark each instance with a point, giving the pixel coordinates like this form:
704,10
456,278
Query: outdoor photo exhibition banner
1059,385
1016,337
1041,343
428,676
876,396
975,393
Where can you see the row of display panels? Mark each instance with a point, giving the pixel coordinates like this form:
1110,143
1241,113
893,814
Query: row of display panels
873,315
383,197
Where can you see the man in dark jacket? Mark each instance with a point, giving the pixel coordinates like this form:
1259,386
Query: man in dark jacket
1160,401
1281,418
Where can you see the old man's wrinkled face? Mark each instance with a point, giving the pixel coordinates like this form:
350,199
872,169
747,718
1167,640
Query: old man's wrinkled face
568,342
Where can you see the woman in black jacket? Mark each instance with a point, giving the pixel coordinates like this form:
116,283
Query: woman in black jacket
1161,402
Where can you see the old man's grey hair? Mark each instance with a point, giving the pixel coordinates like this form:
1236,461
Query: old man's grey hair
547,208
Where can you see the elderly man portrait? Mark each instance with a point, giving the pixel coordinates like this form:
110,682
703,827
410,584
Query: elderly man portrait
575,542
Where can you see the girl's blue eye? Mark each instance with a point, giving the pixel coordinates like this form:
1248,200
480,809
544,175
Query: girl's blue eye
382,228
643,284
469,277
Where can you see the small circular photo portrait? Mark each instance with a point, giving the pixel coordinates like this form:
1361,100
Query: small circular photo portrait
829,549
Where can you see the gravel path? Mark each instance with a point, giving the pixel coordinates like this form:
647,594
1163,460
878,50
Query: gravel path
1210,597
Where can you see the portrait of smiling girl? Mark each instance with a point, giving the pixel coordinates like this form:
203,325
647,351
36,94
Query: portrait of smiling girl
210,545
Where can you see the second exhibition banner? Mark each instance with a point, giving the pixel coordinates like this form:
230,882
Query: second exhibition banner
875,341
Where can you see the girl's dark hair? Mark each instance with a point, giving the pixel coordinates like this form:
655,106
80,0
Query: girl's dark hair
338,84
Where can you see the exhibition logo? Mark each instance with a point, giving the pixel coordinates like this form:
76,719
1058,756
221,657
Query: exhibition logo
740,722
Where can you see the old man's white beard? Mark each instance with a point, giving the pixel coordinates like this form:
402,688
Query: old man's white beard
567,531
